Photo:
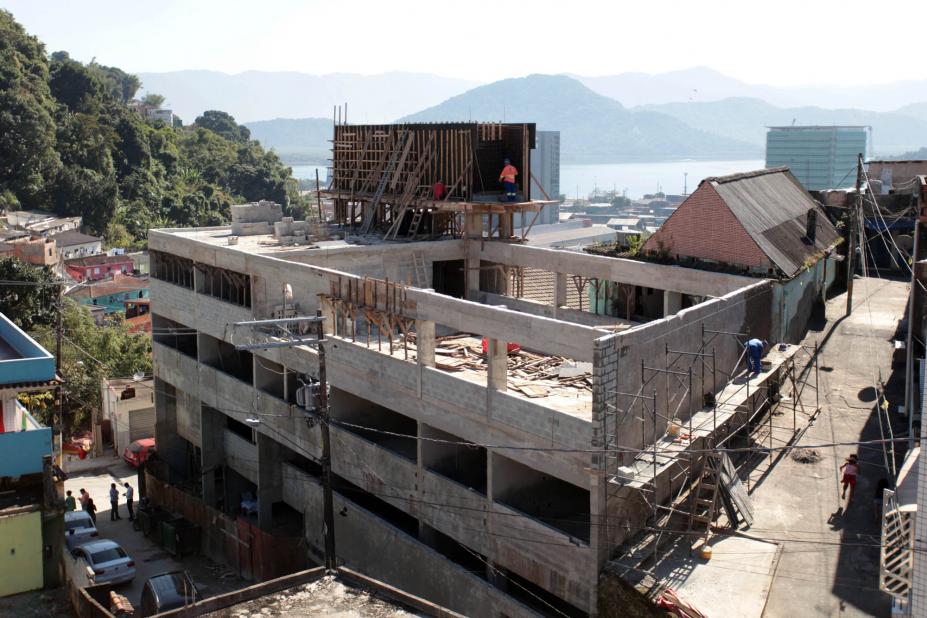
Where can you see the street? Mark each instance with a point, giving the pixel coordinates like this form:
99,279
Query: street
150,559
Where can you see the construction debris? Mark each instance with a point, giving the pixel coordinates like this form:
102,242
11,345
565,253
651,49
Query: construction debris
806,455
533,375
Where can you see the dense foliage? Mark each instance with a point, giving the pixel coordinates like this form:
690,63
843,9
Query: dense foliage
69,143
27,293
89,354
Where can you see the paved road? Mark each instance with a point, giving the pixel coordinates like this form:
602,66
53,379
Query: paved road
830,560
149,558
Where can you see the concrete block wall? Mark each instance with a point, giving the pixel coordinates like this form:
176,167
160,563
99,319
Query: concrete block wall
376,548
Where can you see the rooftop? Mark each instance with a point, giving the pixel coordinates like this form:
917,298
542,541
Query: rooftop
22,360
73,237
98,260
817,127
116,285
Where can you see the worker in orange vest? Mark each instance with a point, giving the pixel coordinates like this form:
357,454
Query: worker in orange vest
507,178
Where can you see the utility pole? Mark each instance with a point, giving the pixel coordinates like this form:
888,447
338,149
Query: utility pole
329,502
318,195
59,392
851,250
280,336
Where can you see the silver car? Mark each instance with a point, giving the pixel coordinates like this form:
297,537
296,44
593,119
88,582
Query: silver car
78,528
107,562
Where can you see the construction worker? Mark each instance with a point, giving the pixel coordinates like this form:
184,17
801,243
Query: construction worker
507,178
754,356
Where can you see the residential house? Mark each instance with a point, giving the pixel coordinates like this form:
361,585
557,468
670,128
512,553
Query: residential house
111,294
128,406
41,223
97,267
761,223
31,515
164,115
73,244
32,250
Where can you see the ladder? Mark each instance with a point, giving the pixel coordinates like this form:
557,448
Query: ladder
418,264
417,216
704,505
411,193
398,147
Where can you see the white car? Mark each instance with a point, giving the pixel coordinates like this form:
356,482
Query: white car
107,562
78,528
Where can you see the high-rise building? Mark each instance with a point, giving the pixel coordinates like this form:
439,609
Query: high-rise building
820,157
545,169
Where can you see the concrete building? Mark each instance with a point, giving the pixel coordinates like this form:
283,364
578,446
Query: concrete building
478,485
74,244
128,406
33,250
98,267
111,294
164,115
31,515
545,170
820,157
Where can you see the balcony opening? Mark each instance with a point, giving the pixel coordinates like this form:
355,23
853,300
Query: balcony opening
269,377
558,504
240,495
536,597
448,278
227,285
466,558
443,454
375,505
375,423
172,269
241,430
174,335
224,357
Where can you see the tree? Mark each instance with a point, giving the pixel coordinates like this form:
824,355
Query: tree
27,294
91,353
223,124
153,99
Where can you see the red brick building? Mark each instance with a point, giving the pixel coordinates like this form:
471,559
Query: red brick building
763,222
96,267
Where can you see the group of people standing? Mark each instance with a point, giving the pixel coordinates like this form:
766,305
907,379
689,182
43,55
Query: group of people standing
87,504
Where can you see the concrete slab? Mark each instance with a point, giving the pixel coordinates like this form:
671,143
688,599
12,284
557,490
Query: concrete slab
734,583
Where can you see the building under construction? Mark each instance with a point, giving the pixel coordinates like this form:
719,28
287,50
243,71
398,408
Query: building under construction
504,418
417,181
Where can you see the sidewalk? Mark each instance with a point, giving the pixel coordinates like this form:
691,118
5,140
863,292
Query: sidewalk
829,563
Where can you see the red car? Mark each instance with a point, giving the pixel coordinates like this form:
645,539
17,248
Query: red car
139,451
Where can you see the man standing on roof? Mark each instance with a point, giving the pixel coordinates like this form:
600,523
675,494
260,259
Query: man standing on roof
507,178
754,356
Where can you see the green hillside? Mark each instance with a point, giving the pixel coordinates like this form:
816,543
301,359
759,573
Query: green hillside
70,144
593,128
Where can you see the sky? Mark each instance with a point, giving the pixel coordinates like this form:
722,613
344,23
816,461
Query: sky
783,43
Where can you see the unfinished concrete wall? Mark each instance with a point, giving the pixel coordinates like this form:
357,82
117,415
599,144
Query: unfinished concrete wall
796,300
619,360
370,544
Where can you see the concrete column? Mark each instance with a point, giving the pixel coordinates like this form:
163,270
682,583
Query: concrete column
505,225
270,481
212,426
328,312
672,303
560,291
497,361
474,234
425,342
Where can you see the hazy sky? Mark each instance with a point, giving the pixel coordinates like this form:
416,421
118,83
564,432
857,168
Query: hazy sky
781,43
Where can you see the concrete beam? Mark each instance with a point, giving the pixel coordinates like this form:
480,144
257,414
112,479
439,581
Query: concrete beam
646,274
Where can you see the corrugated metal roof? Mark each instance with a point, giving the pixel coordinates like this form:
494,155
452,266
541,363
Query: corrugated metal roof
773,208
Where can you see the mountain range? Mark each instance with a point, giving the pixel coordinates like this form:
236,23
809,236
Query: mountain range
593,128
695,113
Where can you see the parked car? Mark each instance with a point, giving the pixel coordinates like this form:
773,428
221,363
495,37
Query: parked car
107,562
78,528
167,591
139,451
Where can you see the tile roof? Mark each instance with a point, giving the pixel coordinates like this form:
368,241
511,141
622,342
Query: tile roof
108,287
97,260
773,208
73,237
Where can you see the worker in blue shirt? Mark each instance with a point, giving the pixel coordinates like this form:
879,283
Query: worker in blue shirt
755,349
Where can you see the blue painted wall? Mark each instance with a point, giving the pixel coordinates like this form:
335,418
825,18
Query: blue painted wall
36,364
22,451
